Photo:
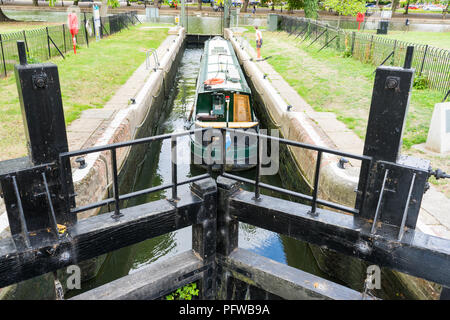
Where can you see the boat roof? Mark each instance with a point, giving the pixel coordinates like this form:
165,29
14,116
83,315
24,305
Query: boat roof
220,62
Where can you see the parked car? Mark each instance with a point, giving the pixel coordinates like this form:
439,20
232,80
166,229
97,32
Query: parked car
237,3
370,5
432,8
413,7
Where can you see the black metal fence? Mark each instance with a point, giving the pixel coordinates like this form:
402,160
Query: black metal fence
431,63
45,43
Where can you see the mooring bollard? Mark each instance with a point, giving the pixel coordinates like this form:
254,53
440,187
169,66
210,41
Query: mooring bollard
32,186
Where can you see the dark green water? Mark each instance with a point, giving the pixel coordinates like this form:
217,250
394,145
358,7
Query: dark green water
156,170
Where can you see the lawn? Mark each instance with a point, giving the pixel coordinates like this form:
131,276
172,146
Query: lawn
88,80
436,39
6,27
332,83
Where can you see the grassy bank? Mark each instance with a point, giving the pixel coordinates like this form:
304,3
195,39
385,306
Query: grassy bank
435,39
14,26
88,80
332,83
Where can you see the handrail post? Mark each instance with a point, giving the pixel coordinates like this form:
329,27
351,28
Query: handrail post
174,168
316,184
3,55
224,149
258,167
117,213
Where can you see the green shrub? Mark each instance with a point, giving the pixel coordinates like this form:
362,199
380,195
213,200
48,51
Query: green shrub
421,82
184,293
347,53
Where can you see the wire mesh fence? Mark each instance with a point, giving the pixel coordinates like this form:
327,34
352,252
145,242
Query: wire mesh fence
44,43
431,63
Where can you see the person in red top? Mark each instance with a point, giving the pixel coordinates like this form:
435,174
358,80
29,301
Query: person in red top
258,35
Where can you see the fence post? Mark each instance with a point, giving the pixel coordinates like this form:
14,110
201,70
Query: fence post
423,60
64,37
26,42
353,41
3,54
85,30
48,44
393,55
370,50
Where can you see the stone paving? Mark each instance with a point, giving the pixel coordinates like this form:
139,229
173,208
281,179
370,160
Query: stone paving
434,217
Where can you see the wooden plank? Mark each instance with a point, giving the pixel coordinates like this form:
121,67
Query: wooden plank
417,254
97,235
241,108
282,280
152,282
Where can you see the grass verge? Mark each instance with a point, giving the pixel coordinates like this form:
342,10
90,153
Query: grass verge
88,80
435,39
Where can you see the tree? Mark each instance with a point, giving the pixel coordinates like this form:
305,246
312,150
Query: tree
407,7
3,17
395,4
309,6
244,8
346,7
199,4
445,10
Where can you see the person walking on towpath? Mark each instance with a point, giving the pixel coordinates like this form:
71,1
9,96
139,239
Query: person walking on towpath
259,40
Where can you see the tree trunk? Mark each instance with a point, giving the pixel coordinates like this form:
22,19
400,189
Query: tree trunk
394,6
407,7
245,6
35,3
445,11
3,17
273,6
199,5
75,3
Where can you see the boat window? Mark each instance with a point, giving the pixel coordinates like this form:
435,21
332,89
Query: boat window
218,104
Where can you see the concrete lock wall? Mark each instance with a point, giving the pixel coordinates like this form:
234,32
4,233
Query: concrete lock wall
93,182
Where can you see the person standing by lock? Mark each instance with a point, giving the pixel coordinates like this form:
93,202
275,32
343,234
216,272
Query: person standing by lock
259,41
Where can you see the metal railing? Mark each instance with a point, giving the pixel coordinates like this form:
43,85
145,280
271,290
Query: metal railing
151,52
63,157
313,199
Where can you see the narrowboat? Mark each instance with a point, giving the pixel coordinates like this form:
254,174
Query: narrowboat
223,99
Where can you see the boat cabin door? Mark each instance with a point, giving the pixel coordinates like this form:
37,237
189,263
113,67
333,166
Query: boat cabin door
218,104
